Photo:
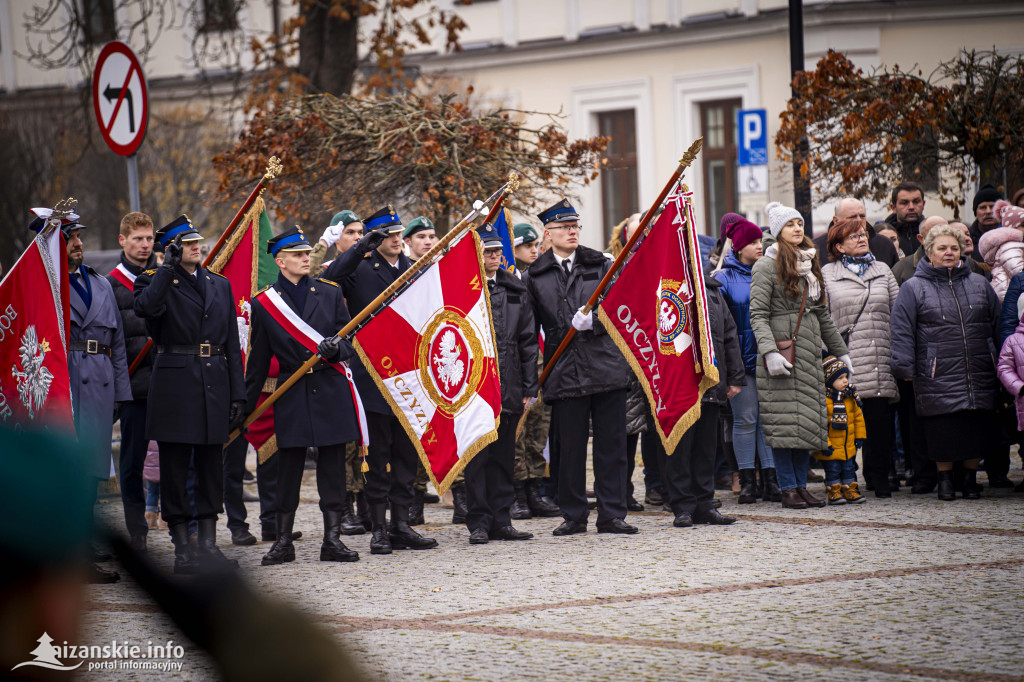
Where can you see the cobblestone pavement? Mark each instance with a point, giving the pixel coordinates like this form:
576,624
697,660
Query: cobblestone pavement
905,588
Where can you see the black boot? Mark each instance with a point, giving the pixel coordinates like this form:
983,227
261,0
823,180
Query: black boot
416,509
540,505
363,510
350,524
520,508
759,485
379,542
459,500
207,552
946,491
403,536
333,549
184,558
748,486
971,489
283,549
771,486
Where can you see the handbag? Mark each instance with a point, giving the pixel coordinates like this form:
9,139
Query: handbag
845,334
787,347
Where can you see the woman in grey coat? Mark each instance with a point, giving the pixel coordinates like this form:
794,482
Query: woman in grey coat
861,293
792,396
945,335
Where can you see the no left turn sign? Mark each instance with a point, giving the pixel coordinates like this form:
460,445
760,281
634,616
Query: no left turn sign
120,98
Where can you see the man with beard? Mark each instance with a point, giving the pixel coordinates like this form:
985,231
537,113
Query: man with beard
907,206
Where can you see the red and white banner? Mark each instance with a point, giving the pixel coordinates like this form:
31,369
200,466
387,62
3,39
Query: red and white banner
310,338
657,314
432,354
35,390
124,276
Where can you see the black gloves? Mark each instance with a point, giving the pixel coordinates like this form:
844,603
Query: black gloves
371,240
330,348
172,253
236,415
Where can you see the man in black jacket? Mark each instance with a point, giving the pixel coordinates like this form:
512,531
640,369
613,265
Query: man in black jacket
197,393
907,206
853,209
136,240
587,386
489,475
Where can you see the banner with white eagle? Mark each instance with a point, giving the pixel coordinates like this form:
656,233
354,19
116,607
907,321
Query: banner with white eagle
432,354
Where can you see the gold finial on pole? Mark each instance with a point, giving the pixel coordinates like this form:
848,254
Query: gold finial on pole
274,168
691,154
513,182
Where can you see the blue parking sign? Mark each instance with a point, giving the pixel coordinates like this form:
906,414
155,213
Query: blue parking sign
753,142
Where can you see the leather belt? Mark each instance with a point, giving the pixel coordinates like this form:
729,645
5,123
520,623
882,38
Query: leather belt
203,350
318,367
91,346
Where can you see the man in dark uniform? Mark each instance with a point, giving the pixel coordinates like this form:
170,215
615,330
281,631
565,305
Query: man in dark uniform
489,475
293,319
587,386
136,239
392,458
197,395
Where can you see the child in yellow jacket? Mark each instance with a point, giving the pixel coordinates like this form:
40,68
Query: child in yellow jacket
846,433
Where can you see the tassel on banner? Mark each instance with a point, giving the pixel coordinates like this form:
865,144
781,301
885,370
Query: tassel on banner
364,467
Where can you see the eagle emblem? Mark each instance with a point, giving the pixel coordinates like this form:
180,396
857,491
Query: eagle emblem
34,379
449,368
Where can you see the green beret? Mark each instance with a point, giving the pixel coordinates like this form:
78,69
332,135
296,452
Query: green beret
417,224
345,217
524,233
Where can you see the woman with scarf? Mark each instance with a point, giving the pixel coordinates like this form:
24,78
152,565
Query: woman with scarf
861,293
788,315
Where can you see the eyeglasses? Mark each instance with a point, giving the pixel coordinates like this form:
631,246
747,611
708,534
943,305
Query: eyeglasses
575,226
859,237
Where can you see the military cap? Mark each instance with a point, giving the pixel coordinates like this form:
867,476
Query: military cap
179,227
345,217
563,210
417,224
384,218
489,236
289,240
68,223
524,233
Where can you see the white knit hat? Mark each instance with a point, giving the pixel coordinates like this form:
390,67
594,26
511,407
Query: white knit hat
779,215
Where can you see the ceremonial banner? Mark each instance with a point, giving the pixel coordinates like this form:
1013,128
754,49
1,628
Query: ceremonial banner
432,354
35,314
247,265
657,315
502,225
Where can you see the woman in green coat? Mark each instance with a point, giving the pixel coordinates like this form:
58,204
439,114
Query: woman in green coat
792,396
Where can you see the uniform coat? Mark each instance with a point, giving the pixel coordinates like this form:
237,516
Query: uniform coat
135,334
361,285
512,311
591,364
793,406
318,409
875,292
97,381
190,396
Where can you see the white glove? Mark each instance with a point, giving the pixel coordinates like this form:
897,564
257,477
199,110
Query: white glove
582,322
845,359
332,234
777,365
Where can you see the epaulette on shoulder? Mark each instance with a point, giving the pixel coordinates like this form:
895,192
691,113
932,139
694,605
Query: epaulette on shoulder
217,274
369,254
150,272
326,281
261,291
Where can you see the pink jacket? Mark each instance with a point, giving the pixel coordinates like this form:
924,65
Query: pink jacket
1011,370
1003,249
151,469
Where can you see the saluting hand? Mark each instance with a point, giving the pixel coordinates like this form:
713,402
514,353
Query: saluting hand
172,253
371,240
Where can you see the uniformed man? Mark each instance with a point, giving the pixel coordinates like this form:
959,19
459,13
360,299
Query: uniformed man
525,244
344,232
136,240
489,475
392,457
419,236
293,319
96,364
197,395
587,386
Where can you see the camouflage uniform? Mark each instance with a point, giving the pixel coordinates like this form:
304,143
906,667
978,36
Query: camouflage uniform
353,468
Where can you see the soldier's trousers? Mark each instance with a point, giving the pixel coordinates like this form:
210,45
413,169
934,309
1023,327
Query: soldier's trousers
530,447
353,468
489,487
209,482
234,468
571,418
689,474
389,444
134,445
330,477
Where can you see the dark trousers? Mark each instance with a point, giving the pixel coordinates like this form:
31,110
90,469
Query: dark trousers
689,474
878,448
632,440
650,447
330,477
389,444
266,488
489,479
914,453
209,491
571,418
234,467
134,445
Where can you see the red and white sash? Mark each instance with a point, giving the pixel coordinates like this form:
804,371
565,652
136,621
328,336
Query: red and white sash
310,338
124,276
